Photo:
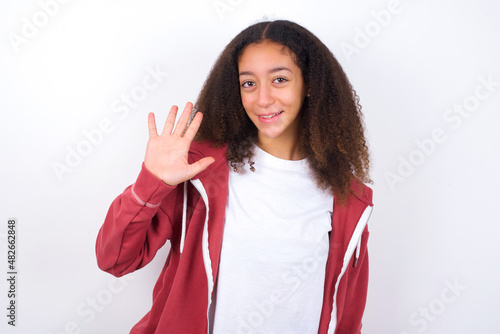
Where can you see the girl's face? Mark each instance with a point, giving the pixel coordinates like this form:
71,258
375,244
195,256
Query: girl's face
272,91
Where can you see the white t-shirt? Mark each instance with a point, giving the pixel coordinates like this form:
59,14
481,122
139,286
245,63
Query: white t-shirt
274,250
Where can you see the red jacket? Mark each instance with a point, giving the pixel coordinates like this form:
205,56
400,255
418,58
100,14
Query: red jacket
149,212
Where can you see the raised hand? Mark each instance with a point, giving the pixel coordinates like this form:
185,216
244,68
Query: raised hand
167,153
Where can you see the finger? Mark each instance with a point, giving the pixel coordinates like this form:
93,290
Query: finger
199,166
194,126
170,121
152,125
183,120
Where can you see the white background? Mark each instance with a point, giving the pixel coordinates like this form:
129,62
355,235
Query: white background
434,226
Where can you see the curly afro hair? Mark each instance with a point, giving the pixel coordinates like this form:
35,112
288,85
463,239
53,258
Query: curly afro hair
331,129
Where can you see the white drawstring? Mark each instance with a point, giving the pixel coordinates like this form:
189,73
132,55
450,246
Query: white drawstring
184,211
356,256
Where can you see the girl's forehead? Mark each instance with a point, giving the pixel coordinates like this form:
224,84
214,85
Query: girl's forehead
261,53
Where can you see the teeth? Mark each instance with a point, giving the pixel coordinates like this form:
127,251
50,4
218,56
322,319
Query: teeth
271,116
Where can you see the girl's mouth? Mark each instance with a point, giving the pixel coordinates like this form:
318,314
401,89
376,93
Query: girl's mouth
273,115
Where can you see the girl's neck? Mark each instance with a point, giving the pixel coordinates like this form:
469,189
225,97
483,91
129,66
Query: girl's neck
283,148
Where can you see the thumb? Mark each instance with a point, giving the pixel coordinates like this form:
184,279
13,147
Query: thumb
199,166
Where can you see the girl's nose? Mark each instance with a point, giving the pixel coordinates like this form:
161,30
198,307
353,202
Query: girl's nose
265,96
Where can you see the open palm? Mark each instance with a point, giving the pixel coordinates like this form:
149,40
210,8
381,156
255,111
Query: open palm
167,153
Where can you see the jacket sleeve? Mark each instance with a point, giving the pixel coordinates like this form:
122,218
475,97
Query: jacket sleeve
132,232
355,291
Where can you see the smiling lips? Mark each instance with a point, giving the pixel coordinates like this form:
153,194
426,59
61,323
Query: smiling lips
271,117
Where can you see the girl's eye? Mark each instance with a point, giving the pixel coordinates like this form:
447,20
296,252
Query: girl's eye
280,80
247,84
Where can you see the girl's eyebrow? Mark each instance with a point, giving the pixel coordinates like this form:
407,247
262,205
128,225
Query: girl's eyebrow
276,69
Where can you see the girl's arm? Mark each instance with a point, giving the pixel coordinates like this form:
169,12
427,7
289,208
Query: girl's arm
135,226
139,221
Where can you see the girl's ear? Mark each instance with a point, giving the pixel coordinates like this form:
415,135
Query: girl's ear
307,90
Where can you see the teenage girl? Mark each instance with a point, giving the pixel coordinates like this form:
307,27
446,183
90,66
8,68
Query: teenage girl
263,201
